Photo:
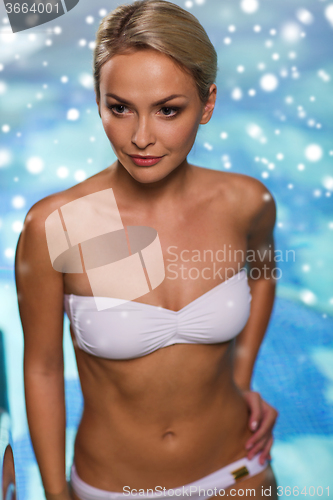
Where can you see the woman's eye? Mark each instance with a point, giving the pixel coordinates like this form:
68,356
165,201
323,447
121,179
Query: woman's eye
117,112
170,109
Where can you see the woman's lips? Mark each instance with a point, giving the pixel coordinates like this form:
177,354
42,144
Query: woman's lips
146,162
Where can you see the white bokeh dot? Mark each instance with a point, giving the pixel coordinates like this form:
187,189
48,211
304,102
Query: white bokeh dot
304,16
313,152
80,175
249,6
328,183
308,297
35,165
17,226
236,94
329,13
269,82
291,32
18,201
73,114
9,253
62,172
5,157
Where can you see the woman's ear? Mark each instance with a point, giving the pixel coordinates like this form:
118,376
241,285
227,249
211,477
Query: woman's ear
210,104
99,111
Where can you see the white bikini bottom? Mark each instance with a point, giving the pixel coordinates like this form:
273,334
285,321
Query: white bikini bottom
207,486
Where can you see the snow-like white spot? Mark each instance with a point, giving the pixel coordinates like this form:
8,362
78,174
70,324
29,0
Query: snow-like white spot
237,94
3,87
328,183
269,82
18,201
9,253
291,32
35,165
73,114
5,157
80,175
304,16
313,152
62,172
329,13
308,297
254,131
249,6
323,75
86,80
89,19
17,226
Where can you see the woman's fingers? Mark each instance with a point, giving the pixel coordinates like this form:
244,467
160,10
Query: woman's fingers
267,423
254,402
264,445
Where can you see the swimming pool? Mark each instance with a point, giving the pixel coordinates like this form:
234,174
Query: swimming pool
272,121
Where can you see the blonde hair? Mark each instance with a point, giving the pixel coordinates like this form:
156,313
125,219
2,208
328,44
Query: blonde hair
159,25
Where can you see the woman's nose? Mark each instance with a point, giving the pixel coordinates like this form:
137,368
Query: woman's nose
143,133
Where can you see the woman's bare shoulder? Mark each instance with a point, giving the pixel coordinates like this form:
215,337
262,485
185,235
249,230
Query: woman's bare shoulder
40,210
246,195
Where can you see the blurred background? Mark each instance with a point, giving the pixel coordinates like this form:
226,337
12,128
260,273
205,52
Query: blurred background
273,121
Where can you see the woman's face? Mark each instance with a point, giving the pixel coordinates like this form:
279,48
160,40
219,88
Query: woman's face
137,123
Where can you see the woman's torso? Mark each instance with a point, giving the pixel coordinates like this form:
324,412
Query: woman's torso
174,415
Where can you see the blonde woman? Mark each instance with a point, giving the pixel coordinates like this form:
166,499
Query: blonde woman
166,376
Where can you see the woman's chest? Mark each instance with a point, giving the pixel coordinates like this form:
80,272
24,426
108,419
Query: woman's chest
195,247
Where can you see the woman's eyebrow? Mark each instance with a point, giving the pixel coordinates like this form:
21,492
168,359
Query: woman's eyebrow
162,101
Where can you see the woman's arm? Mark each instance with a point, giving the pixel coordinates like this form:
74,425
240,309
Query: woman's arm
261,277
40,300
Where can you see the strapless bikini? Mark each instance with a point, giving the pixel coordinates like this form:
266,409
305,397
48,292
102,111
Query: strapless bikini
129,329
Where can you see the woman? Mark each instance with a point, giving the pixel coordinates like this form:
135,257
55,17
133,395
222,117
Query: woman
165,375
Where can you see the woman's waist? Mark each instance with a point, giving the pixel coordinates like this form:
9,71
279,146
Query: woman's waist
181,447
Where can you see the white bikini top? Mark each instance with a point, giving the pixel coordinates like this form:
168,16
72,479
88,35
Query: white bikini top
131,329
